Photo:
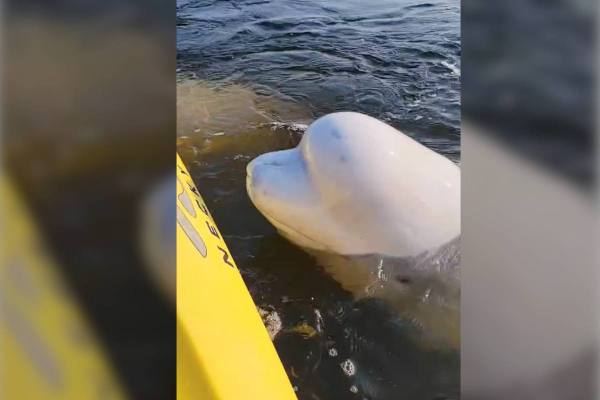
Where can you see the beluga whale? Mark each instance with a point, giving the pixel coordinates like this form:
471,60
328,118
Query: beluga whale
380,211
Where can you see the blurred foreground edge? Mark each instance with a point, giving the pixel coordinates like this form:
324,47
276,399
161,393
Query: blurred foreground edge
88,129
529,278
47,349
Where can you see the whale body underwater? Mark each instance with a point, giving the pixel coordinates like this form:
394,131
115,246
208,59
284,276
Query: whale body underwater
380,211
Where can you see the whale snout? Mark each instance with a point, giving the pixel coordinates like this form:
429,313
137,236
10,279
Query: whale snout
250,177
277,182
263,176
280,187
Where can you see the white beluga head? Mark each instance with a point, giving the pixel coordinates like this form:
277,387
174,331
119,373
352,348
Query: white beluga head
355,186
379,211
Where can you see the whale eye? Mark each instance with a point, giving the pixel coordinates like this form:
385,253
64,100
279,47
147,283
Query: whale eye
405,280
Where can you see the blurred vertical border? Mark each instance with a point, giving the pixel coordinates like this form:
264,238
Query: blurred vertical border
88,137
530,282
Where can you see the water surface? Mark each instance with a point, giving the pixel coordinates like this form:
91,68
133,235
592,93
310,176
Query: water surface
251,75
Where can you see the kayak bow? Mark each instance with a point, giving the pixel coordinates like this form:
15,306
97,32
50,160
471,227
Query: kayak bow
223,348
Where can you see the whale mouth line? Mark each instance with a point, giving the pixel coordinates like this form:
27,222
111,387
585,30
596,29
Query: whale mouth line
294,231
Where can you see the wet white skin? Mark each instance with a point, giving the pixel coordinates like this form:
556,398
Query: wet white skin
354,186
378,210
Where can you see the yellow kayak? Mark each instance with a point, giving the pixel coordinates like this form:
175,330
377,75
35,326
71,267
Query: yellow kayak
223,349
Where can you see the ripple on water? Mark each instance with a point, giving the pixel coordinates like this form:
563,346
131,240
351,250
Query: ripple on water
252,74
